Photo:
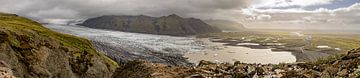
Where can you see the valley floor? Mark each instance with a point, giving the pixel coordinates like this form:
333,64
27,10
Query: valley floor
123,46
164,54
306,46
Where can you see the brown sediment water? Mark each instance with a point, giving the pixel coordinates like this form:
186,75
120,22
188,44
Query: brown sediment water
238,53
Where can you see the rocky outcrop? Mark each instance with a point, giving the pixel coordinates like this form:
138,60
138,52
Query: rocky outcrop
144,69
32,51
226,25
338,66
166,25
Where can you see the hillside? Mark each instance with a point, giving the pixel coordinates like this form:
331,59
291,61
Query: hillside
226,25
166,25
31,51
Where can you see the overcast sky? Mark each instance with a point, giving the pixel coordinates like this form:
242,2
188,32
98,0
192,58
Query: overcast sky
289,14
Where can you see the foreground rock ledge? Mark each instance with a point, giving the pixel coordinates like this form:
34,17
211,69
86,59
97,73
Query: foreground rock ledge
332,67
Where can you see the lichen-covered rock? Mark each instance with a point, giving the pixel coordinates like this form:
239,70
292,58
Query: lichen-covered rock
166,25
5,71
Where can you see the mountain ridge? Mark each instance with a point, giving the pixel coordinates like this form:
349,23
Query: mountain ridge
164,25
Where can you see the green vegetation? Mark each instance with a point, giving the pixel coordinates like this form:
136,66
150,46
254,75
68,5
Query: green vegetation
19,25
27,37
329,59
343,41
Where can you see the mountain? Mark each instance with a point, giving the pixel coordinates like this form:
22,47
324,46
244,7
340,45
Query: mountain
226,25
165,25
30,50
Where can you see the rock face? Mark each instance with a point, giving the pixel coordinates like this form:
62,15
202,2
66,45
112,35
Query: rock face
32,51
226,25
166,25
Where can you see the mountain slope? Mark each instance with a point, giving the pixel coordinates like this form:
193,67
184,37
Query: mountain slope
166,25
226,25
32,51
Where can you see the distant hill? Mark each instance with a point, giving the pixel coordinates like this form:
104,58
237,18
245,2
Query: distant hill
226,25
165,25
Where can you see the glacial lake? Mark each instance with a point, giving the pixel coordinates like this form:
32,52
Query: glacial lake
231,54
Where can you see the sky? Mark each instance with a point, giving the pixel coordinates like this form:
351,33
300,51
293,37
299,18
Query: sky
272,14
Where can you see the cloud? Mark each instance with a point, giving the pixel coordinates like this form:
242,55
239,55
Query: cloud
297,18
252,13
90,8
290,3
57,12
263,17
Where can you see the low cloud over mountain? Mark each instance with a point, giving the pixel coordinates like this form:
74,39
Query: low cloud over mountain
312,14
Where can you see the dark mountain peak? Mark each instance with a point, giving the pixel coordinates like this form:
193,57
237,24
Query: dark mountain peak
194,19
143,16
226,25
109,16
174,16
165,25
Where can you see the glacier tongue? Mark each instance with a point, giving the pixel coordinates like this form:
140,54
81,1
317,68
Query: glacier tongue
124,46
